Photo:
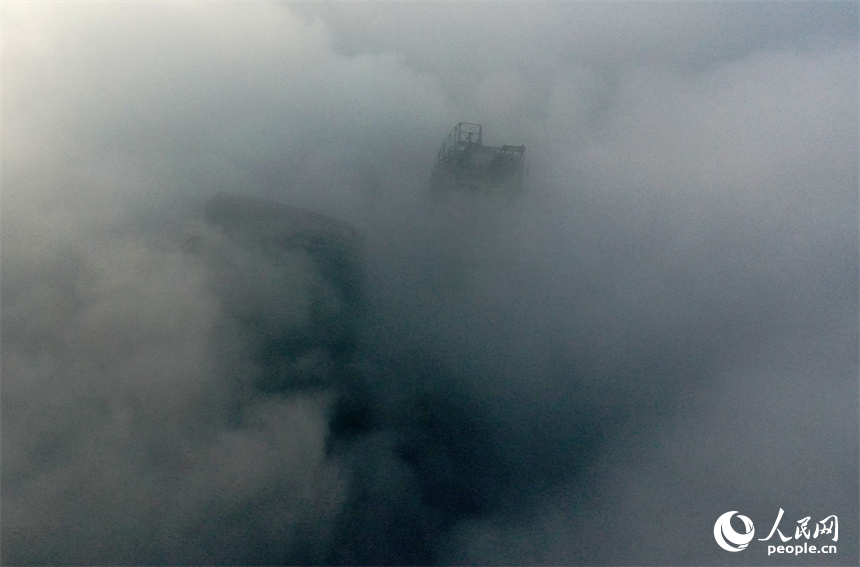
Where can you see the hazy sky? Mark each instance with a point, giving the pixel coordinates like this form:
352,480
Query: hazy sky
663,329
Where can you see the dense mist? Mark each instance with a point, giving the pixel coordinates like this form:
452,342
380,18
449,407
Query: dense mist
238,327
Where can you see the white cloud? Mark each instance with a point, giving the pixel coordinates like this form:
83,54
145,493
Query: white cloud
690,231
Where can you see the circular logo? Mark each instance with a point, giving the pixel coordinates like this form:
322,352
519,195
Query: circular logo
726,535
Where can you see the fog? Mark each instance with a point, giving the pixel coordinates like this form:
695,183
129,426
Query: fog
238,328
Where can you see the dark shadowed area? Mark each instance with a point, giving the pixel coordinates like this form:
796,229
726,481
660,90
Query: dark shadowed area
239,328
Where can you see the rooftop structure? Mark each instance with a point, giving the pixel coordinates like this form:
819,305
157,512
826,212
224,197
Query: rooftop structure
464,163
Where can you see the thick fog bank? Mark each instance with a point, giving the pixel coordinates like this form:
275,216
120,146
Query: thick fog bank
238,328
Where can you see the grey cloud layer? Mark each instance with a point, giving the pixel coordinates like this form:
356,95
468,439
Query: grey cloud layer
663,330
